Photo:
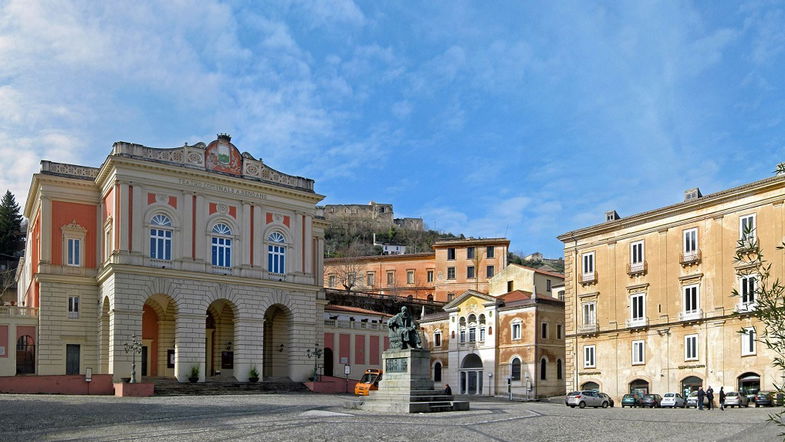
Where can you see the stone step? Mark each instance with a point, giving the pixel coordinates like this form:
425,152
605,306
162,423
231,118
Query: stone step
170,387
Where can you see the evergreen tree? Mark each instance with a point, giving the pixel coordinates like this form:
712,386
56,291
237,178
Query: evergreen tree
10,226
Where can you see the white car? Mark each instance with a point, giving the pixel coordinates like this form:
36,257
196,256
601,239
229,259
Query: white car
692,400
673,400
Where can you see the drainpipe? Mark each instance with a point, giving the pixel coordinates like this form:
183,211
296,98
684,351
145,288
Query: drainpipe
576,308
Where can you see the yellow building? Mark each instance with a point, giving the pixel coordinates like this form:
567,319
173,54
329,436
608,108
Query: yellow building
648,297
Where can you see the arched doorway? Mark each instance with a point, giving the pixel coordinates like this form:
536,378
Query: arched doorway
471,375
690,384
328,361
220,339
749,383
639,386
25,355
590,386
159,316
277,333
437,372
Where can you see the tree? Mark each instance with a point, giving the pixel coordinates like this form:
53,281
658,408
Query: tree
11,237
348,272
767,295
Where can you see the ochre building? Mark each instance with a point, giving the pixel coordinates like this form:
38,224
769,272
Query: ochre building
648,297
212,258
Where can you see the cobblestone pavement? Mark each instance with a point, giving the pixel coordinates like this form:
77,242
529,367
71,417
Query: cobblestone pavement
307,417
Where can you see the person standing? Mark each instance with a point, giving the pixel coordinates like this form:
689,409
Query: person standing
701,395
722,399
710,397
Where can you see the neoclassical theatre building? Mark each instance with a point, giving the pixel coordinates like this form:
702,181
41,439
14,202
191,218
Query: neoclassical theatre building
210,256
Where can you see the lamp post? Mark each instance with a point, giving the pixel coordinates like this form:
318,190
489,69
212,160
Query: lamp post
134,347
316,353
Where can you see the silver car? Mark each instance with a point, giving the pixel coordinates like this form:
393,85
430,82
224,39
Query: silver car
587,398
672,400
734,399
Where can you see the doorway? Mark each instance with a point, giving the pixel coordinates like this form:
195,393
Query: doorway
72,356
328,361
471,375
25,355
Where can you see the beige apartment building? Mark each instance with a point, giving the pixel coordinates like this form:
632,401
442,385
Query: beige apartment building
648,297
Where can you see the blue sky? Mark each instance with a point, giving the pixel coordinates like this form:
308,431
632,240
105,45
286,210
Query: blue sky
517,119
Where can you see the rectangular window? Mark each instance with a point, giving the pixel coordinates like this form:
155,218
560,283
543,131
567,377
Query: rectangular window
690,242
489,272
331,280
370,279
437,339
636,253
352,278
516,330
482,334
747,285
748,341
638,307
450,272
430,275
410,276
558,331
73,252
390,278
469,272
588,356
470,253
510,286
589,313
747,226
547,285
221,251
544,330
489,252
472,334
691,299
638,355
690,347
588,263
73,307
450,252
463,335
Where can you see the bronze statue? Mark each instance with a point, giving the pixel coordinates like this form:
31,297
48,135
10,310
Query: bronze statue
403,331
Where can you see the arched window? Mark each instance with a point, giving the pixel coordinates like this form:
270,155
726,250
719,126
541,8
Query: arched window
462,324
276,253
437,372
472,328
515,371
543,369
161,237
222,245
482,328
430,298
558,369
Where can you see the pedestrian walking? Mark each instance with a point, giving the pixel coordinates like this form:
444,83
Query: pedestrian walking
722,399
710,397
701,396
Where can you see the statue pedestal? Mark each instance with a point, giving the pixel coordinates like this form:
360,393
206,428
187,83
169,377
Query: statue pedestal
406,386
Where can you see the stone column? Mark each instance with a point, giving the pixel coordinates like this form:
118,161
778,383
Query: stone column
123,324
189,346
248,343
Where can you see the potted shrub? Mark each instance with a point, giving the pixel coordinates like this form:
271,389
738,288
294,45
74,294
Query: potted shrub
253,375
194,376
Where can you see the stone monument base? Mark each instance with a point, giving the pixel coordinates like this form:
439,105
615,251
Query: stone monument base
406,386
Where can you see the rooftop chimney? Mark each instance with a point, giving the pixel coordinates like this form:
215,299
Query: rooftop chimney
611,215
226,137
692,194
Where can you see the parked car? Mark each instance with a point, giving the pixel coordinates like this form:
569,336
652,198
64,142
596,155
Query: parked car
587,398
764,399
651,400
692,400
673,400
608,398
734,399
631,400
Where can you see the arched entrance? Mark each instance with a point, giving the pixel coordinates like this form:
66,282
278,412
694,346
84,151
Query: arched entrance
590,386
328,361
639,386
219,339
25,355
690,384
277,333
749,383
471,375
159,316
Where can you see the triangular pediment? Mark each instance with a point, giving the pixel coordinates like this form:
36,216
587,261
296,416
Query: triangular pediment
468,294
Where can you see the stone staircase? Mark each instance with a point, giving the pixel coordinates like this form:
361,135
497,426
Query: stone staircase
417,401
222,386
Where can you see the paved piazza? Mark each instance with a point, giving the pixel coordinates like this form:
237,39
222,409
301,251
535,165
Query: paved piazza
320,417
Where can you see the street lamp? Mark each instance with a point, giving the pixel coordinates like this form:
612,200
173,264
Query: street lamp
316,353
134,347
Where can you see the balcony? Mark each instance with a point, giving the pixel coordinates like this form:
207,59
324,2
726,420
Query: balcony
691,316
589,278
588,328
335,323
638,268
13,311
690,258
637,322
746,307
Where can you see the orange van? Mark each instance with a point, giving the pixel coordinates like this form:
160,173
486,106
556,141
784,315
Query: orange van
369,381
